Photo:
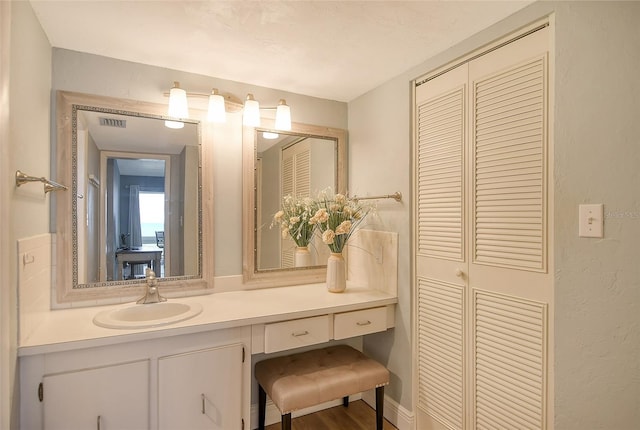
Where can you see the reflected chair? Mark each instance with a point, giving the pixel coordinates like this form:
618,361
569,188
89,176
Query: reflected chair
160,239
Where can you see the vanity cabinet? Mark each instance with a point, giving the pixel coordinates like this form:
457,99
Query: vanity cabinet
109,397
181,381
201,389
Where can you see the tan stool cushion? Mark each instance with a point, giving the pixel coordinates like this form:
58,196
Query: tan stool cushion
309,378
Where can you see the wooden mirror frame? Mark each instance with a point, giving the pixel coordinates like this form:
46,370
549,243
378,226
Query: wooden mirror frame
64,246
252,277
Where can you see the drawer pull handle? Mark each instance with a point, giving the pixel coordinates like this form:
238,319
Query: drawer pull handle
98,423
361,323
203,408
299,333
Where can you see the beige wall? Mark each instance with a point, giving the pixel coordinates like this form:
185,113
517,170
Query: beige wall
27,150
597,154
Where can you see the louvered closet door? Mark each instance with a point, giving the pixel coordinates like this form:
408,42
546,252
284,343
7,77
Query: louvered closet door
295,181
510,283
441,235
482,240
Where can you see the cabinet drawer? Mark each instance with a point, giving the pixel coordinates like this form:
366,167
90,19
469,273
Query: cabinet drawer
296,333
357,323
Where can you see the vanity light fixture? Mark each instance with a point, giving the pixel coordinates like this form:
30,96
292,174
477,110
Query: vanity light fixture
251,114
283,116
217,112
177,106
220,104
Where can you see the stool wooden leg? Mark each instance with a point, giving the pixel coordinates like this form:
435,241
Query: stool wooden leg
379,407
345,401
262,406
286,421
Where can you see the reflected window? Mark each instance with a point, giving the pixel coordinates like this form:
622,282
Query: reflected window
151,215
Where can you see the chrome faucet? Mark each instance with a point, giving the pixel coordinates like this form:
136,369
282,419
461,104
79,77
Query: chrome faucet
152,294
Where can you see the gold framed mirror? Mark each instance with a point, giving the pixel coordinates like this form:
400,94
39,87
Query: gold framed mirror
322,151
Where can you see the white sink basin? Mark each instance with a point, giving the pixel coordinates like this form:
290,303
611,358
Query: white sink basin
144,316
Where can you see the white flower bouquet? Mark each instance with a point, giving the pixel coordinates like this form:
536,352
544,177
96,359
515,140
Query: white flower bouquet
294,219
337,217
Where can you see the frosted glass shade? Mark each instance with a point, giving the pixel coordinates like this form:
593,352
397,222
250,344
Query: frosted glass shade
251,116
217,112
177,106
283,116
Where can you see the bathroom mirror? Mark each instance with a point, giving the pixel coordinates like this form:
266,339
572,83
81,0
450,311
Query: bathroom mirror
135,198
301,162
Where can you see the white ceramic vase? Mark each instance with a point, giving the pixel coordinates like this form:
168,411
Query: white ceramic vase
336,273
302,257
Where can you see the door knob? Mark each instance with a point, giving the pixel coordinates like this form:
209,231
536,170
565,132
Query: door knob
459,273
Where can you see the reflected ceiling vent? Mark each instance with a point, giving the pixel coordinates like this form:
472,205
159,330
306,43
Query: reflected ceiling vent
113,122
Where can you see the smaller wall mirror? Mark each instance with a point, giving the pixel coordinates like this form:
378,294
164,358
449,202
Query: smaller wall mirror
301,162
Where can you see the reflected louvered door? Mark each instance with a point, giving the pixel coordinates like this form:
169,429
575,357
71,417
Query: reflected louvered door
482,283
295,181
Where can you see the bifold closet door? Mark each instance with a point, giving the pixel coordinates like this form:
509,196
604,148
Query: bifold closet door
510,284
482,238
441,248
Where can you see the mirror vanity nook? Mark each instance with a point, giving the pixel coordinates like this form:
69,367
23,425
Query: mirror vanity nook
165,362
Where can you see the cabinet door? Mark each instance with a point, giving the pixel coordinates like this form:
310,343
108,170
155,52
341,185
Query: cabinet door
201,389
105,398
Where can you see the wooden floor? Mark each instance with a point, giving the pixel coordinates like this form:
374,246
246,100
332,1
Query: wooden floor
358,416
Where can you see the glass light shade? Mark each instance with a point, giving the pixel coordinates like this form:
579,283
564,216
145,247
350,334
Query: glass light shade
251,116
177,106
283,116
217,112
269,135
173,124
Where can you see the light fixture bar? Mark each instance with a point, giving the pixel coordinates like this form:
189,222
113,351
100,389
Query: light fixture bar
220,104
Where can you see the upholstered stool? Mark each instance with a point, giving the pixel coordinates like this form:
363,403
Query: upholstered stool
309,378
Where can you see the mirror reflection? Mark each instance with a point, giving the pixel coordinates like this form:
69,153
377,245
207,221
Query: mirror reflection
138,203
298,165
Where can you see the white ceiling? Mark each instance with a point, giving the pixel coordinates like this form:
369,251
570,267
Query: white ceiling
336,50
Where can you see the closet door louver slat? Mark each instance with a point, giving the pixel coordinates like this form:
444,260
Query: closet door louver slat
440,176
441,351
509,163
303,174
510,361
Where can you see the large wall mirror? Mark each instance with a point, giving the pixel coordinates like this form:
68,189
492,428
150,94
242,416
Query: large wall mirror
135,199
301,162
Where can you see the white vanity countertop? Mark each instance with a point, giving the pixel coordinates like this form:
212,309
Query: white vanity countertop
69,329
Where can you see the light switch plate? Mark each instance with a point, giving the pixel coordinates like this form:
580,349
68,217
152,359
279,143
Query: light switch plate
591,220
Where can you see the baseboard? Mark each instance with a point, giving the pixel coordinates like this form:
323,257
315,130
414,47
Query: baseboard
393,412
273,415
